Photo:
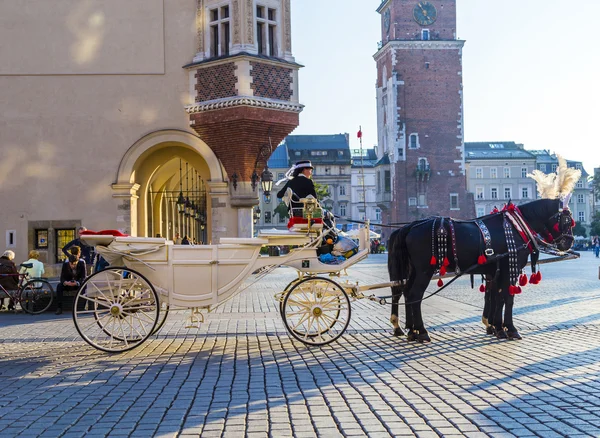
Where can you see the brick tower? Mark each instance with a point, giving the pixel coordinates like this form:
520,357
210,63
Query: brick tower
245,82
420,110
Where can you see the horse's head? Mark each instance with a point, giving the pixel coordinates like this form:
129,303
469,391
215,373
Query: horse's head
559,228
552,220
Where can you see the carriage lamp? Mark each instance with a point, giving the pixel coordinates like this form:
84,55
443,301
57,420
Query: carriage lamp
266,182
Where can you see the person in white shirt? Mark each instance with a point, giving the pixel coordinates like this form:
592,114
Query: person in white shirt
37,267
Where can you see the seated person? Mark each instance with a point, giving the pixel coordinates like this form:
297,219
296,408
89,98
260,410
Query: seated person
71,277
299,180
37,267
9,276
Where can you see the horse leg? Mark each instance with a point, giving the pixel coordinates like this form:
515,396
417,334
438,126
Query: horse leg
408,308
511,330
500,298
418,290
488,306
396,294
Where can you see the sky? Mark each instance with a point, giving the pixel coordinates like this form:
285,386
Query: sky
531,71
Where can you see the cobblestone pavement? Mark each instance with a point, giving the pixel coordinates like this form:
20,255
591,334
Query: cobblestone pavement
241,375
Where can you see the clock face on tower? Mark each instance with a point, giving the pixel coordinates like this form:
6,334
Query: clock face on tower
424,13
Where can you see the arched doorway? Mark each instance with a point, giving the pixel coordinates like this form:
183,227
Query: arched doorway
152,175
176,202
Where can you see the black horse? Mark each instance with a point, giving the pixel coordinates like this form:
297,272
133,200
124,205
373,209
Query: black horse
496,246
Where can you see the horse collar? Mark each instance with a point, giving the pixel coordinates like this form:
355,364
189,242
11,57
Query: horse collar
520,224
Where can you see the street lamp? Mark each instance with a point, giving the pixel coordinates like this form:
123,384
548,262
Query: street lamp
180,200
266,182
256,215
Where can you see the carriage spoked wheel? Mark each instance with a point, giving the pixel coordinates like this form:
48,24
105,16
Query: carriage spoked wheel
162,318
316,311
116,310
281,295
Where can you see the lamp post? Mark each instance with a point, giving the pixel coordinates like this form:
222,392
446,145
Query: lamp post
180,199
266,182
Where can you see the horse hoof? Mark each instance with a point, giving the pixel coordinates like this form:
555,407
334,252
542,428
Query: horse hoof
411,336
423,337
485,321
514,335
489,330
501,334
398,332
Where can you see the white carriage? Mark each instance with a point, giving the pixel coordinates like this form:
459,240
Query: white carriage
118,308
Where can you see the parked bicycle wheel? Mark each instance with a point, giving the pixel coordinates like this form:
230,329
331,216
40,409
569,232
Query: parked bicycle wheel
36,296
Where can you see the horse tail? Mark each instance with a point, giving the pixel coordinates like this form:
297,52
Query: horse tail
398,259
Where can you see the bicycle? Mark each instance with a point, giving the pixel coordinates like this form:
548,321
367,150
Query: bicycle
34,295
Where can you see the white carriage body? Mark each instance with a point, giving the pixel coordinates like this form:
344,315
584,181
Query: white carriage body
206,275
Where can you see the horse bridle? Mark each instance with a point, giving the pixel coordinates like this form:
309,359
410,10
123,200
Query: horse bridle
564,225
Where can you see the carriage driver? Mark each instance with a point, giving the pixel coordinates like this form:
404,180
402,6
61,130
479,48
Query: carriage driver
299,180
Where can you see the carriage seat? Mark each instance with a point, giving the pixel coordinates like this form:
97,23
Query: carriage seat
299,218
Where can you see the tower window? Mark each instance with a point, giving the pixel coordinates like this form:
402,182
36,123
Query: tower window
413,141
266,30
454,201
425,34
220,31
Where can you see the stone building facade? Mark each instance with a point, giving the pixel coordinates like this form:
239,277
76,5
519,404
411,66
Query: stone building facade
497,173
420,110
112,110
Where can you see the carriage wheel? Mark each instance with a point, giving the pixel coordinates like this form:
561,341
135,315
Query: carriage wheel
116,310
36,296
162,318
316,311
281,295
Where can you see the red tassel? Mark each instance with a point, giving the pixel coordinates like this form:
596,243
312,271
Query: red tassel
539,276
555,227
443,271
523,280
446,262
433,261
549,238
511,289
481,260
518,290
482,288
440,283
572,223
533,278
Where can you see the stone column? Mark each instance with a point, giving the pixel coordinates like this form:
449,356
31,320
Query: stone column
126,197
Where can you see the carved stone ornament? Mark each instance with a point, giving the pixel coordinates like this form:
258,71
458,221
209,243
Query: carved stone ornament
250,21
200,25
288,27
236,22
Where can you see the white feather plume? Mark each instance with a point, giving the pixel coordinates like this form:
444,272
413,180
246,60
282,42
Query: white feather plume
545,183
556,185
566,178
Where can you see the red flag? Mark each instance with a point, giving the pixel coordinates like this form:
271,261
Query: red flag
359,133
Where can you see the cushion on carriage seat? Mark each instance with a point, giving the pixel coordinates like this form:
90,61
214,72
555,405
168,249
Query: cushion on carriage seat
115,233
300,223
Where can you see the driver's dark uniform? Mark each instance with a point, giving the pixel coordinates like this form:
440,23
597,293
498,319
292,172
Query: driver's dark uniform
302,186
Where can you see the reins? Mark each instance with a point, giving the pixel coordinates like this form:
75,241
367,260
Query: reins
471,268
